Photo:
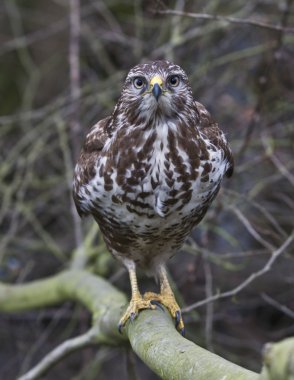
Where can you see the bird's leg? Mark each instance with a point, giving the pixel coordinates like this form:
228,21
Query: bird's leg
167,299
137,302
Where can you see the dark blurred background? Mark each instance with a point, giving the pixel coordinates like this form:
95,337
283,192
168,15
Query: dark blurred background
242,73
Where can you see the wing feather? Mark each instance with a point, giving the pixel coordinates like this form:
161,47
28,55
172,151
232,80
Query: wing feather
85,168
211,130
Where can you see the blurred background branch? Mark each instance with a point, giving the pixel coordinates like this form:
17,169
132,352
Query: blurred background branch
233,20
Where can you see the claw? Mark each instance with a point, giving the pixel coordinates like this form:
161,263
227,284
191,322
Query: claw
136,304
133,316
179,322
158,304
177,318
167,300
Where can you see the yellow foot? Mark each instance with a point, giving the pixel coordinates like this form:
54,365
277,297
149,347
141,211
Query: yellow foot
167,299
136,304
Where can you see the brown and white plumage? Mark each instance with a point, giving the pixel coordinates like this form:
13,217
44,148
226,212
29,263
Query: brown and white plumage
149,172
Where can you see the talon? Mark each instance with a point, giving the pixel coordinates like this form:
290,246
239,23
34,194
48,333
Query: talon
179,322
158,304
178,317
136,304
151,300
167,299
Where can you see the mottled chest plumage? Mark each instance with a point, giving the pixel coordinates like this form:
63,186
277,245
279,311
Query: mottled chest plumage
155,171
153,184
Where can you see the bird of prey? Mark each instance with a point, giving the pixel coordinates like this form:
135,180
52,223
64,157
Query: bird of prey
148,173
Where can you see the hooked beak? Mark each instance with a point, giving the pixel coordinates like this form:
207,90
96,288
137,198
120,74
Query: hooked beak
156,86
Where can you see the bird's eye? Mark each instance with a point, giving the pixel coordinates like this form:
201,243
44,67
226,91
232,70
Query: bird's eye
174,80
139,82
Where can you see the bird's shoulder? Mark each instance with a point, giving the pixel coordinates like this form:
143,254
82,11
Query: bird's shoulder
204,118
97,136
94,142
210,129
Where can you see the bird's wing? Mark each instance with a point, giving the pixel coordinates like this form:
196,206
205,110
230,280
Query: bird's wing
97,136
211,130
85,170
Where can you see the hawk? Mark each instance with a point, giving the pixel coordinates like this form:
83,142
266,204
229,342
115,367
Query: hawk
148,173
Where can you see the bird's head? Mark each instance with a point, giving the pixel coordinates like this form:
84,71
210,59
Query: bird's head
156,89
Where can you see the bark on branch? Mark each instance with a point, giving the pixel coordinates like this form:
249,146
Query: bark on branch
152,335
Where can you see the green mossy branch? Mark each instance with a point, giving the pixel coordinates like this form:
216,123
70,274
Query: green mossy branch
104,301
173,357
152,335
278,361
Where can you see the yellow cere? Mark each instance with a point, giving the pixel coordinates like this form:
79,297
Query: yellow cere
156,79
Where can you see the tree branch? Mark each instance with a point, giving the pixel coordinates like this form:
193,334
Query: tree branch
75,128
278,361
229,19
230,293
155,340
102,299
152,335
91,337
283,308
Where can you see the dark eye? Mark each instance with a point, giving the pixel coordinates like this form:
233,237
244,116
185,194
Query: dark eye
174,80
139,82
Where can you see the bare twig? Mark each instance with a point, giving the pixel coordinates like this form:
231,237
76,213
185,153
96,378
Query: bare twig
229,19
269,151
284,20
230,293
56,316
41,34
282,168
251,229
277,305
209,306
259,207
64,349
74,71
75,92
176,31
255,120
